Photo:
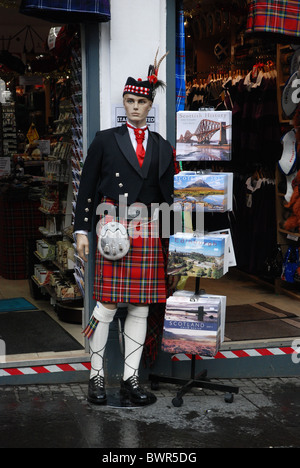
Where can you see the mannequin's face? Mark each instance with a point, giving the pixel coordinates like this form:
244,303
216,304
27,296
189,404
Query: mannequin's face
137,109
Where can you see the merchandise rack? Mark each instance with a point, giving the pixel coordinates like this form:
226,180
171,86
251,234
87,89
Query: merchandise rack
200,380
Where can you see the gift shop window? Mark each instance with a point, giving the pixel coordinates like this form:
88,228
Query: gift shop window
239,118
41,277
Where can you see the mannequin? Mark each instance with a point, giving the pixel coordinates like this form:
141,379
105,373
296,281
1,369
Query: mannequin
120,164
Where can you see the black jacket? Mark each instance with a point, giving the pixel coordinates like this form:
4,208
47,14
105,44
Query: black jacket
111,169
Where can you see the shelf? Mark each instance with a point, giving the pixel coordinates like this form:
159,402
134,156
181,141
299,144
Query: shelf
49,289
284,238
46,233
282,77
54,213
288,233
43,259
61,267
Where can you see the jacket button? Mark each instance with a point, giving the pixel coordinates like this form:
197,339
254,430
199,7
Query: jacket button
117,174
89,200
86,219
86,210
120,185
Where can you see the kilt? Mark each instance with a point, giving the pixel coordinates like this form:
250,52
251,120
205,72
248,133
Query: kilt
67,11
274,16
138,277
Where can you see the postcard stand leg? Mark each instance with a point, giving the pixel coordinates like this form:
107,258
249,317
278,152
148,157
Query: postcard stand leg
200,380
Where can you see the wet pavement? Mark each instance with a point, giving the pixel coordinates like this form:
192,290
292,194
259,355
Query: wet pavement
264,414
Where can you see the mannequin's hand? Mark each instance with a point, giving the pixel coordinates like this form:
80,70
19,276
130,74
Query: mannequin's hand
173,281
82,246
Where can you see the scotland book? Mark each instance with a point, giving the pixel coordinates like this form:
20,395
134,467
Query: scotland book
192,326
223,300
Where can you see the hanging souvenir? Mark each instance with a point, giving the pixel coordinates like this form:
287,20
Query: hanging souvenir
67,11
200,256
204,135
290,264
210,191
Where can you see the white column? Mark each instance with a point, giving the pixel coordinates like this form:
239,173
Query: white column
128,44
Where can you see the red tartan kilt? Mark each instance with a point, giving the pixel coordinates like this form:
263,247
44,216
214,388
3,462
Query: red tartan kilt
139,277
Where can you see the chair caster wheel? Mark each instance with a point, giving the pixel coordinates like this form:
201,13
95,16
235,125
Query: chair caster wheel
228,397
177,401
154,385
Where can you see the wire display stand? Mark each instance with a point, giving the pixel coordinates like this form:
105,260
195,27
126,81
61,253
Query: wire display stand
200,380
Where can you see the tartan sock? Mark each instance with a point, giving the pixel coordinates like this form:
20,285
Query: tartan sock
135,330
98,339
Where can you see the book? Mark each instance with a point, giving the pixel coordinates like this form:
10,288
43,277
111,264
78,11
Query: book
212,191
192,325
202,256
223,300
204,135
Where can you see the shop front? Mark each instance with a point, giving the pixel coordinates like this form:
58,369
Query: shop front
241,60
46,120
224,58
78,79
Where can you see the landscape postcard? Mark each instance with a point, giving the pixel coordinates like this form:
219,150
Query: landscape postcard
210,190
190,255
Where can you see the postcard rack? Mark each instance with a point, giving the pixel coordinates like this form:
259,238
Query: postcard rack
200,380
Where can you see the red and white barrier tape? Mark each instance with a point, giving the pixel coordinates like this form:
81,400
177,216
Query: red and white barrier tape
48,369
240,353
86,366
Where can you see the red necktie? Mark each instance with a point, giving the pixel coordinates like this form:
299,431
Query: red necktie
140,150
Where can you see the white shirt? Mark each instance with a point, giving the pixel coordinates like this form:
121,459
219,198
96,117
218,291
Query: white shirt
133,139
134,144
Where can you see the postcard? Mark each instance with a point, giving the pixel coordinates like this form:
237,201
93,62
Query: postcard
202,256
204,135
213,191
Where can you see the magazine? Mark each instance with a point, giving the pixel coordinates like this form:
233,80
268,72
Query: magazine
204,135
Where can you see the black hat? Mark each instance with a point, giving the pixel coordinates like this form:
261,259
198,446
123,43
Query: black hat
146,88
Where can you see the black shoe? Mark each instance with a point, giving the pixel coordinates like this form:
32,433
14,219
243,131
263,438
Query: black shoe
96,391
131,389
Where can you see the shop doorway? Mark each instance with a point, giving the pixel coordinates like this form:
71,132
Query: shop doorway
228,70
41,278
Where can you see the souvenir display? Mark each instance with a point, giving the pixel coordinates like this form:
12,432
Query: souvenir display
200,256
192,325
213,191
204,136
223,299
231,254
8,132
